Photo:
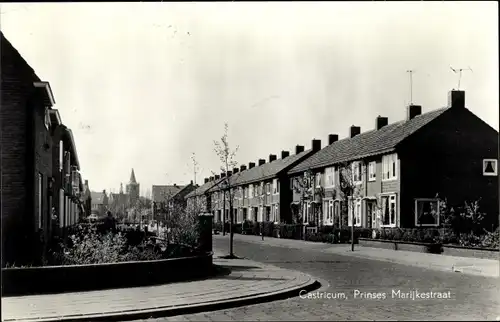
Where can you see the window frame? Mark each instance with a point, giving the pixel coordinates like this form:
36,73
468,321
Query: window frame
329,177
357,165
416,200
372,171
495,165
390,164
389,197
275,187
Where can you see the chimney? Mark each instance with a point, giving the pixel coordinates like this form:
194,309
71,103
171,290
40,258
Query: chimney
285,154
332,138
229,173
272,157
191,183
206,180
354,130
299,149
235,170
316,145
413,111
251,165
211,178
261,162
380,122
243,167
216,177
223,175
86,182
175,184
456,99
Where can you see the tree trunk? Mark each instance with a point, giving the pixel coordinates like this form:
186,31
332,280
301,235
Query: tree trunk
224,215
352,230
231,232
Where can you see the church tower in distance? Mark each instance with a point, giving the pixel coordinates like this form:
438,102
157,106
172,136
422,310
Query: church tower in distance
133,189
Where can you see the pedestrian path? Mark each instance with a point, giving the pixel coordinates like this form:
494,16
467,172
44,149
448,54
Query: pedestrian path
465,265
248,282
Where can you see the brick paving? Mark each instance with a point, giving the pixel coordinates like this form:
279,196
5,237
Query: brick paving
465,265
248,279
472,297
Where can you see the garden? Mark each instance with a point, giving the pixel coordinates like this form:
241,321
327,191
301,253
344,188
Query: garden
463,226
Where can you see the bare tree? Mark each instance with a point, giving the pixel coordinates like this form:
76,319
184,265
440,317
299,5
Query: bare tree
227,160
310,192
350,173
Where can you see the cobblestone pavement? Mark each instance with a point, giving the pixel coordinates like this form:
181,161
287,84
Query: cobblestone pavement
247,279
472,297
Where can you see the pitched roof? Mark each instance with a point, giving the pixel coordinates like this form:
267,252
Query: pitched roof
161,192
267,170
203,188
97,197
366,144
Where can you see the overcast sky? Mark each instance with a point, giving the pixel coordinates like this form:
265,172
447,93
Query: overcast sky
144,85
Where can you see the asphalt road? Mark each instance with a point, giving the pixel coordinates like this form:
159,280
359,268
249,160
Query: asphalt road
472,297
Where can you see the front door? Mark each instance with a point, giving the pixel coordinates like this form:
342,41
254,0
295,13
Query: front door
371,217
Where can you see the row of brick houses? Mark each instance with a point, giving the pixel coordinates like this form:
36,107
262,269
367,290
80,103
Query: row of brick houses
397,172
39,163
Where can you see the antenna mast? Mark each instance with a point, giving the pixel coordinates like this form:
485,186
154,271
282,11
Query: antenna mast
410,72
195,166
459,72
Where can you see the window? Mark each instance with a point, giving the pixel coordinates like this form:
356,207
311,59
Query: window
275,186
40,200
372,171
389,210
61,208
329,177
490,167
276,213
426,212
354,205
250,191
47,118
389,167
307,210
268,188
356,172
328,211
61,155
317,181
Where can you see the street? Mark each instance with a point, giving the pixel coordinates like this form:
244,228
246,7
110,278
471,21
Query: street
472,297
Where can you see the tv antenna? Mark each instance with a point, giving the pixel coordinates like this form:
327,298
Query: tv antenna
410,72
459,72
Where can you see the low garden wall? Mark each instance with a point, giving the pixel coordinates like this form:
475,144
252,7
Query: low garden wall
73,278
433,248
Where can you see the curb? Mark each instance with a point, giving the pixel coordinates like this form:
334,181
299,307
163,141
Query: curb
167,311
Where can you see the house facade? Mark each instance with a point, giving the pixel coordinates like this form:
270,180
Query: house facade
169,197
257,193
29,186
391,176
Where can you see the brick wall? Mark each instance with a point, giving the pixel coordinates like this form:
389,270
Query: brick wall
17,178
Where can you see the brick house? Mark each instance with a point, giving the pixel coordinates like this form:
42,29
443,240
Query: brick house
170,197
261,193
398,169
26,158
200,198
66,187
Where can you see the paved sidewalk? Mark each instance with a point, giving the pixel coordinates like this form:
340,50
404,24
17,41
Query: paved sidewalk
248,283
465,265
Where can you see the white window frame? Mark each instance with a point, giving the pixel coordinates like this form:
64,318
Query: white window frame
330,177
357,171
354,208
268,188
392,198
317,180
61,155
250,191
389,167
372,171
495,167
417,214
275,187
